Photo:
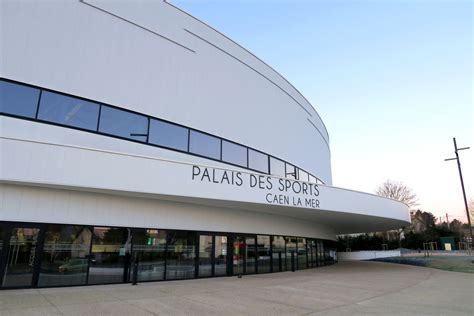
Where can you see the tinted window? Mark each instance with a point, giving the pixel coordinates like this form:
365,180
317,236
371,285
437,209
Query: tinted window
68,111
277,167
291,172
234,153
205,145
123,123
18,100
258,161
168,135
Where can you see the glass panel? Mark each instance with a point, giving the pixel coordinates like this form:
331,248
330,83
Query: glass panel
250,255
168,135
70,111
65,253
204,145
181,256
220,255
277,167
122,123
110,255
312,179
149,247
234,153
291,172
21,257
258,161
18,100
303,175
278,254
238,255
205,255
2,231
291,255
302,253
263,245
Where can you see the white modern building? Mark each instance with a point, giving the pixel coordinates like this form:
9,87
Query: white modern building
132,132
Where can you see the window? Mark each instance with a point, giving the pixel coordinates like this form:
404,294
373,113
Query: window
278,253
277,167
18,100
303,175
205,255
168,135
258,161
205,145
302,253
70,111
110,255
263,248
312,179
180,260
65,253
122,123
234,153
149,246
291,172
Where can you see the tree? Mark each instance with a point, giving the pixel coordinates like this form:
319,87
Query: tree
398,191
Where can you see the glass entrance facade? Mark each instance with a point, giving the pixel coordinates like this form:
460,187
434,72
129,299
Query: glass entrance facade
45,255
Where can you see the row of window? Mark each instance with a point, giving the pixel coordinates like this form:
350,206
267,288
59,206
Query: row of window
47,106
59,255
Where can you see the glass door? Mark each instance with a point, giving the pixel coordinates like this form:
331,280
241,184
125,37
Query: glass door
220,255
20,250
238,255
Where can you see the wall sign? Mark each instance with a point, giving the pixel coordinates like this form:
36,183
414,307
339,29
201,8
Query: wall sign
274,190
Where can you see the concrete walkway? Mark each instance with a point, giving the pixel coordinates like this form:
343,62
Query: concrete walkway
347,288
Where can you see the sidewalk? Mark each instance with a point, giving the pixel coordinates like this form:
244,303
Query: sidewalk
346,288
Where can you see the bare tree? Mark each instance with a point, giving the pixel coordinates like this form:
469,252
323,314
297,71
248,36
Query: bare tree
398,191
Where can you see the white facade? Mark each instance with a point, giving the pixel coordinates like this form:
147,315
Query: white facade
151,58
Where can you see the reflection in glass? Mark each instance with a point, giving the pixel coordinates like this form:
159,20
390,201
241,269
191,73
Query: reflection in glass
238,258
278,254
123,123
204,145
18,100
263,246
302,253
205,255
277,167
149,247
220,255
110,255
21,257
180,260
69,111
312,255
234,153
168,135
291,255
65,252
258,161
250,255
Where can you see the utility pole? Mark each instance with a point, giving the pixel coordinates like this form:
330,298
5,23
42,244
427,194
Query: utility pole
456,149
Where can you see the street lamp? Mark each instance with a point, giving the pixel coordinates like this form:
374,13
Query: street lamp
456,149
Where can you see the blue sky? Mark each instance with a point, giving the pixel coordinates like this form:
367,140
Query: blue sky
392,81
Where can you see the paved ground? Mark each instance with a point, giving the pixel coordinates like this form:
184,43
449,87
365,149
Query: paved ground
347,288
